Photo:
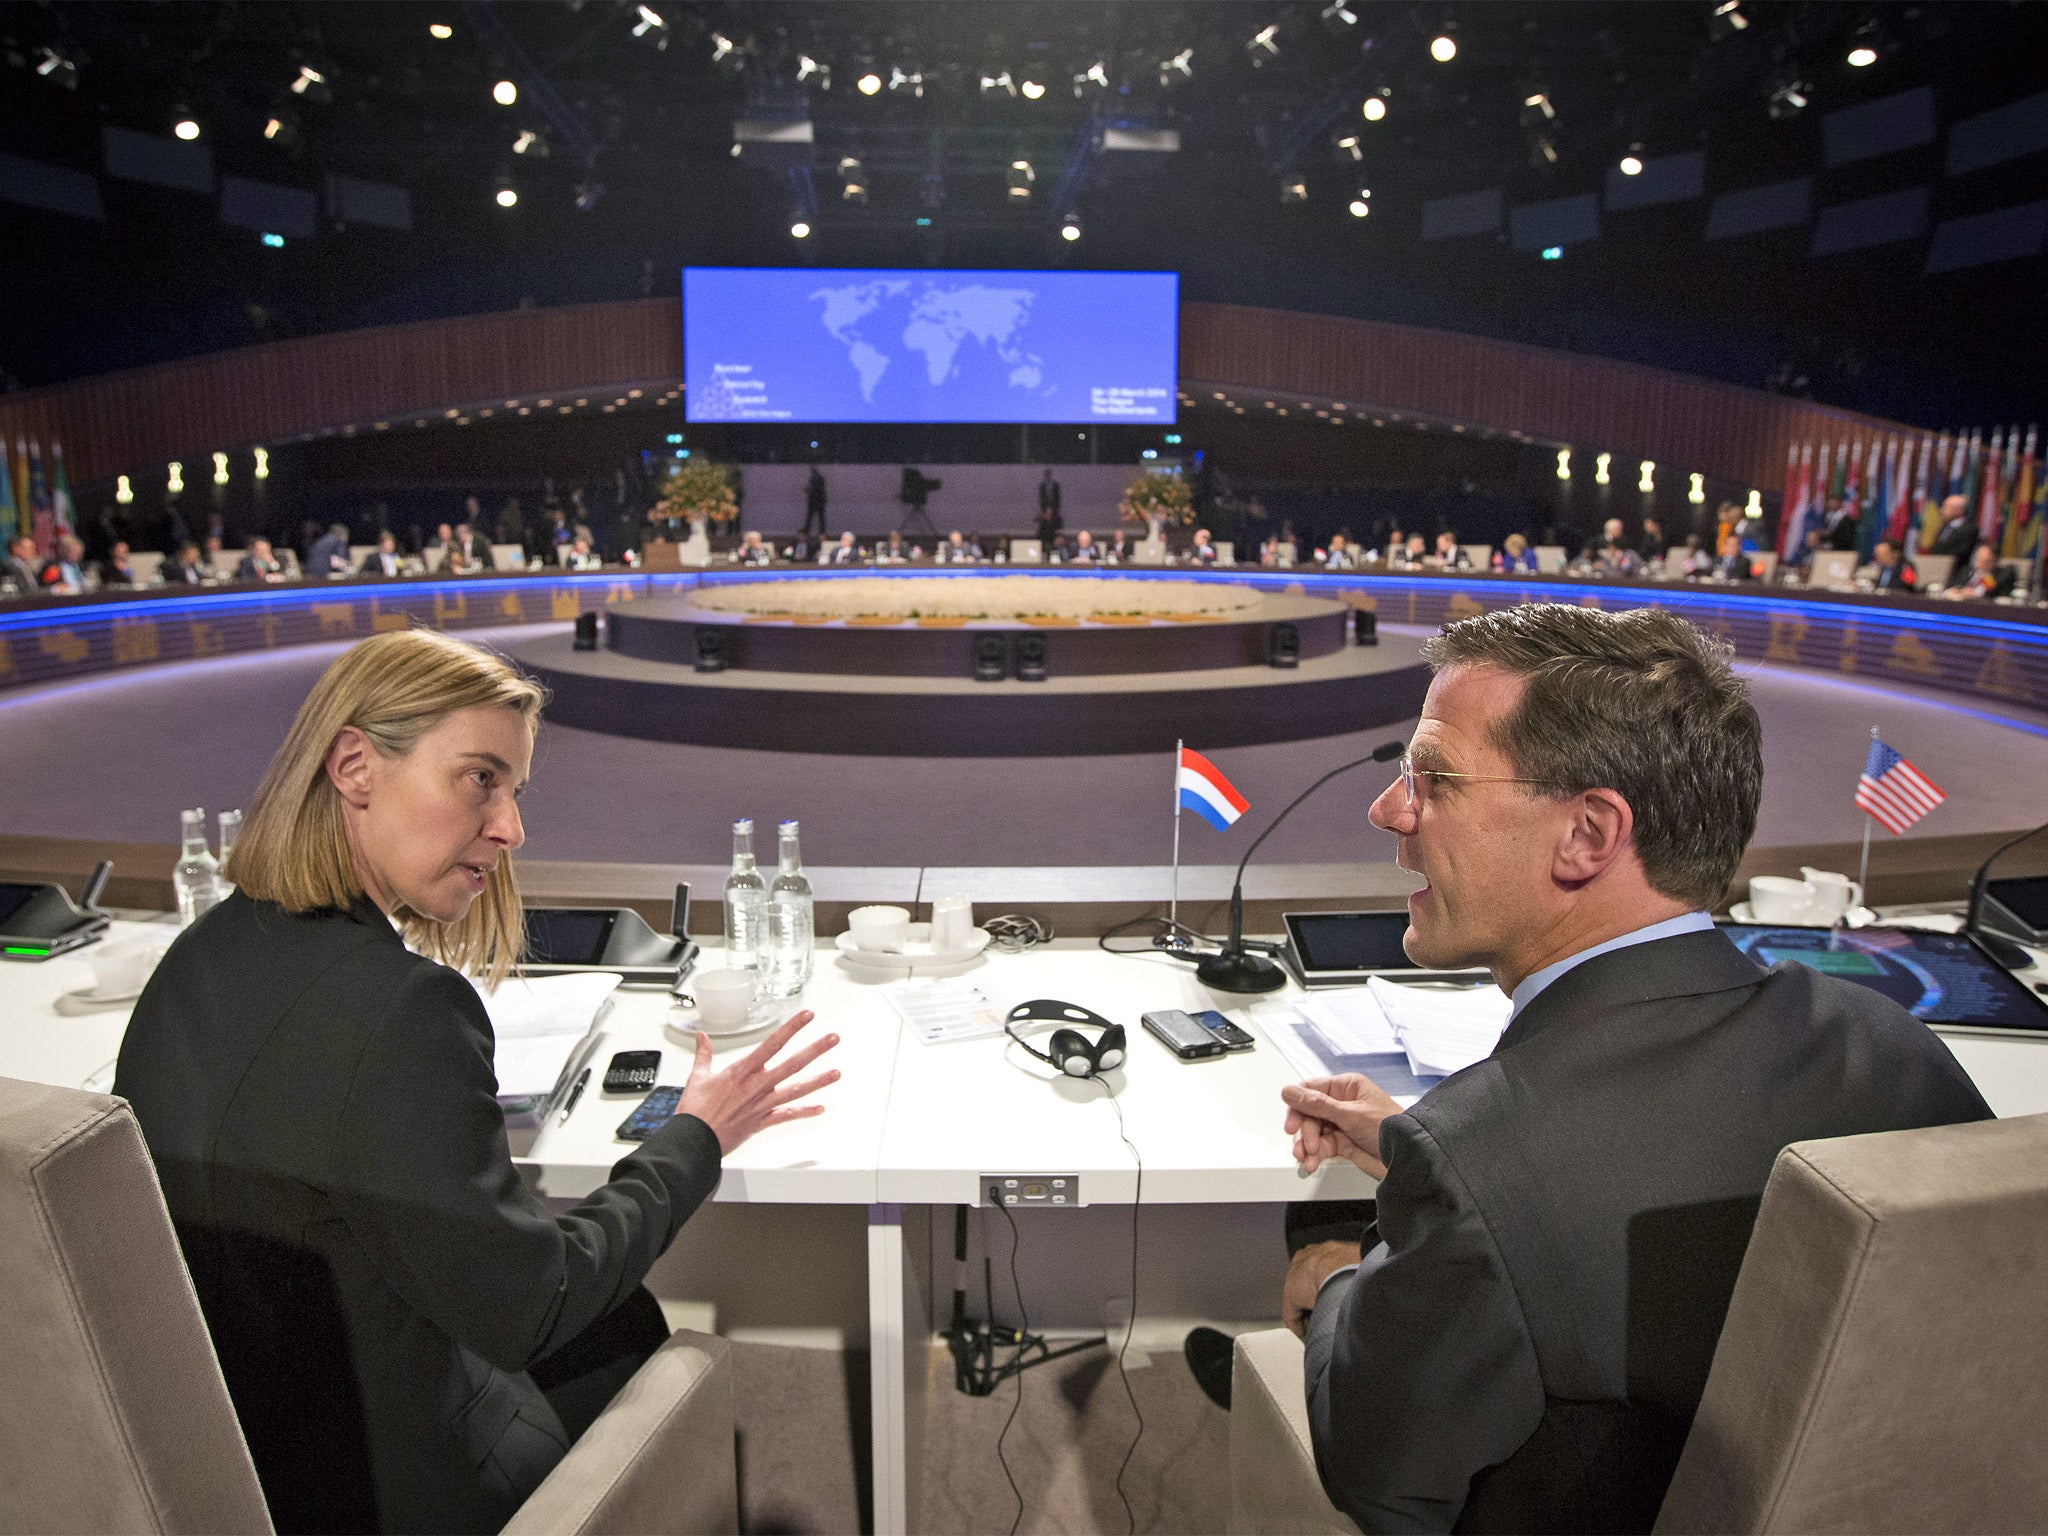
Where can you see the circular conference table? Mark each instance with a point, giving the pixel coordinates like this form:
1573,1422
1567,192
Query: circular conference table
1994,652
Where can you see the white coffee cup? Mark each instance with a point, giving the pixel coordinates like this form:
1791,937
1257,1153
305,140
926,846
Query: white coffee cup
1780,899
724,998
952,923
118,970
1834,895
879,928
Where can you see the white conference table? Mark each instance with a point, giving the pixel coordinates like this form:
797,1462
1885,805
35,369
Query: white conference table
910,1127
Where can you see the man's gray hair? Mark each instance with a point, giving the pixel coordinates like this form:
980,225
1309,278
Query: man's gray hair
1641,703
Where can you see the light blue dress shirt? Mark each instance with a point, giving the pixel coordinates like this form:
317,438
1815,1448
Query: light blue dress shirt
1670,928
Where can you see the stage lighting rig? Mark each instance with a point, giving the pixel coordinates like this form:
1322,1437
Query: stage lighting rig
1443,48
506,195
1349,150
911,80
1361,205
281,128
810,68
588,195
1375,108
1264,46
1725,21
505,93
1542,151
57,68
1632,162
853,181
1338,17
729,54
1789,98
1293,189
1537,110
1177,68
186,127
1000,81
440,31
1070,228
648,22
1095,77
799,229
1020,179
312,84
530,143
1031,90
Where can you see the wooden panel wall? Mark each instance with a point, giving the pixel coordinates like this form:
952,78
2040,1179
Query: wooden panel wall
134,422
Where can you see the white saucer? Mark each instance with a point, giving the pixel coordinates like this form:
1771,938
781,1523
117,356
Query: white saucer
86,1000
1857,917
916,957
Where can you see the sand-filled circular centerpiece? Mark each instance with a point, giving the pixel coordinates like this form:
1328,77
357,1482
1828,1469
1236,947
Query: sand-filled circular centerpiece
988,599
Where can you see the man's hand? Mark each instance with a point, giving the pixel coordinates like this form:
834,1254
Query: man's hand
1338,1117
1305,1277
750,1094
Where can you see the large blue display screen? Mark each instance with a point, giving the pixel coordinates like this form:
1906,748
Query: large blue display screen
876,344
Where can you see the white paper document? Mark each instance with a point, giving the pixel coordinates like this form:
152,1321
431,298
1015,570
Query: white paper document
1350,1021
539,1022
939,1009
1443,1029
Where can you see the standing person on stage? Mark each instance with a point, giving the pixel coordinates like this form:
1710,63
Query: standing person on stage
411,1337
329,554
1520,1340
1957,535
1049,523
814,506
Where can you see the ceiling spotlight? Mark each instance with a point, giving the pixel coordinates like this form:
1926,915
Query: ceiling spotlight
1348,148
1555,253
1176,69
507,194
440,31
529,143
1631,165
1375,108
282,129
1537,110
1600,463
308,83
1647,483
868,84
1564,463
176,482
1264,45
56,68
999,82
727,54
1096,75
1359,207
911,80
1862,56
1293,189
1070,227
588,195
505,93
220,469
1790,99
809,68
1696,491
186,129
123,491
799,229
1443,48
1020,178
1030,90
1725,21
1338,17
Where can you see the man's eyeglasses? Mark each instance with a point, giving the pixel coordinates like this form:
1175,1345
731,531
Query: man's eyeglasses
1410,773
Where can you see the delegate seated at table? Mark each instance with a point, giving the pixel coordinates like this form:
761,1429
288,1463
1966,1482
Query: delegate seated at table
1520,1337
411,1337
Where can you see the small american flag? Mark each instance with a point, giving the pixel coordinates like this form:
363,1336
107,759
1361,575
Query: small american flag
1893,791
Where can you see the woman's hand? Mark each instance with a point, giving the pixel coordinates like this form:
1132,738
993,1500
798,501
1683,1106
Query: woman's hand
1338,1117
750,1093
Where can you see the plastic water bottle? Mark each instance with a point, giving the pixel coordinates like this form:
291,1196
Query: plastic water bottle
230,829
746,903
197,875
791,925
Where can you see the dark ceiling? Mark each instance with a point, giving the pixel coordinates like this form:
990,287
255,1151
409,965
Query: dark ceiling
644,127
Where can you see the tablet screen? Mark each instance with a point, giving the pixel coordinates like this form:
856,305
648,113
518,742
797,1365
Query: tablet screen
1940,978
1350,941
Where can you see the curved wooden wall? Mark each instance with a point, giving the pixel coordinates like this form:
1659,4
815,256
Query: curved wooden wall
136,421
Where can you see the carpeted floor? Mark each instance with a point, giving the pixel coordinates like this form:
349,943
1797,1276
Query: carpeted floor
118,758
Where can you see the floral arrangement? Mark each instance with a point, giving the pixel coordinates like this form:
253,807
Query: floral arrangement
1154,493
698,488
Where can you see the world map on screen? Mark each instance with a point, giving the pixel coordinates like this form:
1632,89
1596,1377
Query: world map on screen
878,323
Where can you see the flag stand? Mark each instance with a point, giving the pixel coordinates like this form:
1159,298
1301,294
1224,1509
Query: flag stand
1173,904
1863,864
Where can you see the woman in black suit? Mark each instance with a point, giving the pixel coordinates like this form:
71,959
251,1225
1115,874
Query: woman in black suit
412,1339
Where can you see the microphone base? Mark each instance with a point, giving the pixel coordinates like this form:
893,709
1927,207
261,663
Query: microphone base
2007,953
1239,972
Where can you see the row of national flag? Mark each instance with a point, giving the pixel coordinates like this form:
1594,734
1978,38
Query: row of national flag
1894,487
32,502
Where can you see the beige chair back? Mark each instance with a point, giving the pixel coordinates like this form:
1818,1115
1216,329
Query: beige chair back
1026,551
433,555
1226,551
225,562
508,557
1884,1366
113,1414
1478,556
1549,559
1933,570
148,567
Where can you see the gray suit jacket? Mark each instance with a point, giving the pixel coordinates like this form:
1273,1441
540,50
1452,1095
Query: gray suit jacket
377,1278
1562,1225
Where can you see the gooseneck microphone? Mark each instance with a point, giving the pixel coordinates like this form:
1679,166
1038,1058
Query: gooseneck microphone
2003,950
1236,969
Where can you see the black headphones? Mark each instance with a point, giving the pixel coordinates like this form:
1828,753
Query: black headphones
1068,1049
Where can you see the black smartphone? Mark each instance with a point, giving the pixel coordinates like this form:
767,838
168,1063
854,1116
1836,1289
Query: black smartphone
632,1071
655,1111
1233,1038
1177,1030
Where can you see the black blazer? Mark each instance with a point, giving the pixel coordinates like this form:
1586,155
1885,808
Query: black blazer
377,1278
1562,1227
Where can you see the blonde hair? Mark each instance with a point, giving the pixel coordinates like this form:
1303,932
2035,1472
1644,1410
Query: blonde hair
394,688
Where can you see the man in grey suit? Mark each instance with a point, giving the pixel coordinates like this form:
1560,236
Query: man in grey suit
1520,1340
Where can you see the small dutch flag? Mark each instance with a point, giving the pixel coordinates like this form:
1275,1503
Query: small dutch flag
1199,786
